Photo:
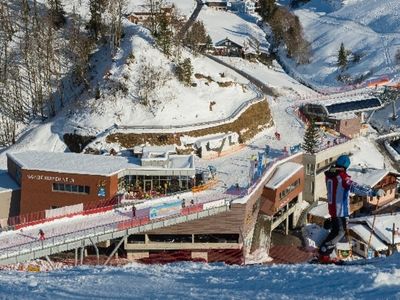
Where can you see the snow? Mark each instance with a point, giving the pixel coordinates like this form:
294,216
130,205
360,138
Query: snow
238,27
7,184
369,177
321,210
214,281
367,27
282,173
367,154
74,163
365,234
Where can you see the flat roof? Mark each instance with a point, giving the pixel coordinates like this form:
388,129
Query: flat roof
282,173
88,164
7,184
321,210
354,105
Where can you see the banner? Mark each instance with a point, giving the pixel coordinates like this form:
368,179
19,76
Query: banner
214,204
165,210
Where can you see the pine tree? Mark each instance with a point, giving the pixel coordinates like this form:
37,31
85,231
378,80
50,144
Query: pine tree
187,71
96,8
184,71
311,139
164,34
342,57
266,9
56,13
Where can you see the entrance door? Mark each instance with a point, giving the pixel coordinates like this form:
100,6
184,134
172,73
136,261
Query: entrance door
148,185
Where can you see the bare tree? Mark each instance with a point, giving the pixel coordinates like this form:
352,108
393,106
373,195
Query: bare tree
150,80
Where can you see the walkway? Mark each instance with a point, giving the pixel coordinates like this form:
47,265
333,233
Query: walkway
72,233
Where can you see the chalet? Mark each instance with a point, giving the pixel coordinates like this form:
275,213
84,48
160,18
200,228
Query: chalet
227,47
377,179
141,15
375,235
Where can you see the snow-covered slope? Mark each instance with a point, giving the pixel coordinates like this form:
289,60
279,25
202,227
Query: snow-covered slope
369,28
176,103
208,281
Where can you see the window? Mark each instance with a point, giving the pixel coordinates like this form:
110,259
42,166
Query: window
362,247
289,189
309,169
312,186
70,188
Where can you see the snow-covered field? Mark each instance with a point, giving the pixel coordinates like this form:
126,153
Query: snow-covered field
208,281
369,28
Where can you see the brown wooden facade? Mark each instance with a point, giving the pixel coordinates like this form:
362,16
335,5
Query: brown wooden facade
275,199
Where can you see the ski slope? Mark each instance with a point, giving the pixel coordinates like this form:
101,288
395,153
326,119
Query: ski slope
208,281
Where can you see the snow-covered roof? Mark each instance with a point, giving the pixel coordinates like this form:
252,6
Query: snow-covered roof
180,161
321,210
7,184
383,226
365,234
367,176
76,163
282,173
151,152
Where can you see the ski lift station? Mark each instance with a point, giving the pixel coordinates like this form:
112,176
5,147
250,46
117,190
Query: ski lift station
344,115
60,179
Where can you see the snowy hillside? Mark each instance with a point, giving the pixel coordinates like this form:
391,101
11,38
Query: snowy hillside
208,281
173,102
368,28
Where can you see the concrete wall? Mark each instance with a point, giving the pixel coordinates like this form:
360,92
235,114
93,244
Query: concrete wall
314,167
9,204
349,127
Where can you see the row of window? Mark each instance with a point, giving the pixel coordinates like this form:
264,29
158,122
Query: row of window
71,188
289,189
184,238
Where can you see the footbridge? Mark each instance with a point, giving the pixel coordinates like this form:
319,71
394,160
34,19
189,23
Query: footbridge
118,224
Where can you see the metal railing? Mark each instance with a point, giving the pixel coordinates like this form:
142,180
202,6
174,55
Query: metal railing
184,215
259,97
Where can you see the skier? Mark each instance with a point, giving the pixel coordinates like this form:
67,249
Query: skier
41,235
339,185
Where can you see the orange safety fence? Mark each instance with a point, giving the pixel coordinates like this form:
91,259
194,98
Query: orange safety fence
204,187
